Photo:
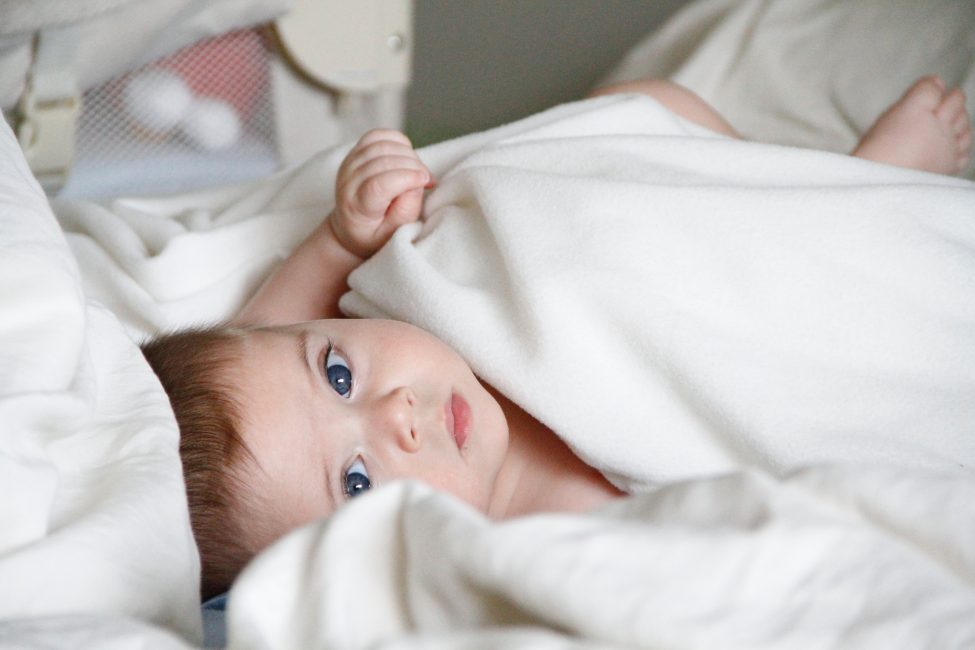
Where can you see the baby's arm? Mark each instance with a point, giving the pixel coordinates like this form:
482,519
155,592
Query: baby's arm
379,187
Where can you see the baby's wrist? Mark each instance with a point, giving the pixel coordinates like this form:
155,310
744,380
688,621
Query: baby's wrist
335,242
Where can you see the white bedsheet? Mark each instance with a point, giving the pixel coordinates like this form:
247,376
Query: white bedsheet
776,281
93,520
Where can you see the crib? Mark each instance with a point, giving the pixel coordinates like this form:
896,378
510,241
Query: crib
201,94
142,193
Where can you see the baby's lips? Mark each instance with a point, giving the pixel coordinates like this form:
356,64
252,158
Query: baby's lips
432,183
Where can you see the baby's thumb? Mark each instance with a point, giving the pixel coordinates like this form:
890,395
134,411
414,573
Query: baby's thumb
405,208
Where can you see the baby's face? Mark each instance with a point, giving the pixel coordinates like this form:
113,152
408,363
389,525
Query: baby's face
334,408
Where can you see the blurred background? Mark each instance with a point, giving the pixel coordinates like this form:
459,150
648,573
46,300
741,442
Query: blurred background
481,63
136,97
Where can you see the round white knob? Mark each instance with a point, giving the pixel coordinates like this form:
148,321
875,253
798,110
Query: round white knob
157,100
211,124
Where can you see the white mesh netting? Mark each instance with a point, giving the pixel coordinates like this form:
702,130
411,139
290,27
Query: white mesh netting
199,117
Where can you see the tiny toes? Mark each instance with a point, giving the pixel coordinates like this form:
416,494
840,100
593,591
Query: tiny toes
952,104
961,124
928,91
965,142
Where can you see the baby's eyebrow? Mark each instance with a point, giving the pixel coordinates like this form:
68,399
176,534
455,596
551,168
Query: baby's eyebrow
301,347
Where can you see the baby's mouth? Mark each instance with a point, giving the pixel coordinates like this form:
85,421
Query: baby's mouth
458,413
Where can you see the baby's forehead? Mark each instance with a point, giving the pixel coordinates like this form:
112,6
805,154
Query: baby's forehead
256,339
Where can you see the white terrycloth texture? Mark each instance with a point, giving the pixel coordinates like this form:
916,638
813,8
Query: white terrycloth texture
93,520
676,304
830,558
810,73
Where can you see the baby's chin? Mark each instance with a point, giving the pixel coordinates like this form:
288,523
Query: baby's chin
481,503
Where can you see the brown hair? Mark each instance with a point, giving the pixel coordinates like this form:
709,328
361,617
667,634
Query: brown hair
195,368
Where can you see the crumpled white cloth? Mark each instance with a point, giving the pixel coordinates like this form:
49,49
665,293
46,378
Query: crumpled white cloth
864,557
782,339
775,345
93,515
676,304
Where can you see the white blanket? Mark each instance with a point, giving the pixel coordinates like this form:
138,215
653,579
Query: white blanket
830,558
800,326
782,341
699,305
677,305
94,526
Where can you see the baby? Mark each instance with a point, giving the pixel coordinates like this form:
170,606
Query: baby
289,411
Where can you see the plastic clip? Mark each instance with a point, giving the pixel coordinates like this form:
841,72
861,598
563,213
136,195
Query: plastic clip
46,132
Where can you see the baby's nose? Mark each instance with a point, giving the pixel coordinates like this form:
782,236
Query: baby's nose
395,415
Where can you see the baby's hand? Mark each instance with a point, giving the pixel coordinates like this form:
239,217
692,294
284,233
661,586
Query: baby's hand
379,188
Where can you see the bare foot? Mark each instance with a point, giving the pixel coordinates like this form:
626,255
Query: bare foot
927,129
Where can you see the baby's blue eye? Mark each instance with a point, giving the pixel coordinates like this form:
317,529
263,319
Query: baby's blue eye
338,372
356,479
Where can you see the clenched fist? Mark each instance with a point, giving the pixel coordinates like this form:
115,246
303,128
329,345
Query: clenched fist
379,188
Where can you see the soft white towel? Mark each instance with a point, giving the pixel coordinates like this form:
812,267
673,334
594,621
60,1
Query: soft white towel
676,304
829,558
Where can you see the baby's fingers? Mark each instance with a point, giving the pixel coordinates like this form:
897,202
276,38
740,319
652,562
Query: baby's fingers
384,164
378,135
361,157
376,143
405,208
378,192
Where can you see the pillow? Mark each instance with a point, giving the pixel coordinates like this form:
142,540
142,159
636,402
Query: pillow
95,520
